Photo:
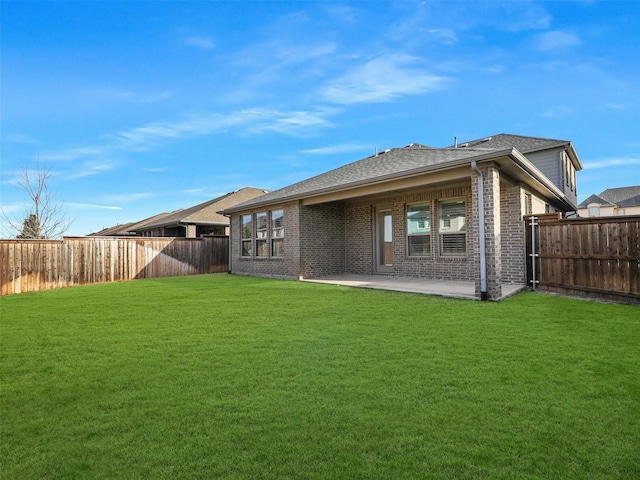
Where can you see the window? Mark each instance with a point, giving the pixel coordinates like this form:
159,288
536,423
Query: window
452,228
621,211
594,211
527,204
247,235
261,234
419,230
277,233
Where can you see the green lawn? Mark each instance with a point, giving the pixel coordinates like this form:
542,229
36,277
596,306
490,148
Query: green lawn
227,377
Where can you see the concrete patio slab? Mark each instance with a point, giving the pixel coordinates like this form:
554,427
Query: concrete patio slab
443,288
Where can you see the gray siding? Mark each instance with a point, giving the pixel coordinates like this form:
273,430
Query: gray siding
549,162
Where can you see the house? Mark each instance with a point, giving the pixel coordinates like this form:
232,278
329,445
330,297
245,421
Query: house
613,201
201,219
414,211
126,229
116,231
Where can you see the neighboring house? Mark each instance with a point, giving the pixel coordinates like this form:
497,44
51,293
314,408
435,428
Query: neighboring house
613,201
117,231
411,212
202,219
126,230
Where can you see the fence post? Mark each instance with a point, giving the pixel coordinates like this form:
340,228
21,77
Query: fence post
533,253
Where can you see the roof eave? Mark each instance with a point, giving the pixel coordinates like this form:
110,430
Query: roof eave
541,180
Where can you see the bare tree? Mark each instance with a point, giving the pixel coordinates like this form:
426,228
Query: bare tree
42,217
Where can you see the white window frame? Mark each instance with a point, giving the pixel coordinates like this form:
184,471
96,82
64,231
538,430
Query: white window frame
427,233
277,233
444,229
262,233
246,235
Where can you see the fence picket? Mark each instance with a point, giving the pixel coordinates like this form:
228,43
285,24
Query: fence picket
29,265
596,255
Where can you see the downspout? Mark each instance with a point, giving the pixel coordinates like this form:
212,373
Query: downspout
481,228
229,243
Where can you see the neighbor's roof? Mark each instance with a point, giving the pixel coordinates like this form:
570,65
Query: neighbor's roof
622,197
206,213
113,231
617,195
594,199
630,202
129,228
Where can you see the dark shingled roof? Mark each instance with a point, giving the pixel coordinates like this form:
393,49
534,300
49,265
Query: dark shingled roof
617,195
622,197
113,231
206,212
386,164
521,143
630,202
396,162
594,199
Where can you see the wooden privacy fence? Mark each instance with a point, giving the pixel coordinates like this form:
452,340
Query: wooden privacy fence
595,257
29,265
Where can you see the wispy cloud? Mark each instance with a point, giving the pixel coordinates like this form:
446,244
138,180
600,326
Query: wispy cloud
74,153
203,42
90,168
292,123
12,208
91,206
125,95
19,138
129,197
446,36
296,123
557,111
333,149
611,162
556,41
194,191
382,79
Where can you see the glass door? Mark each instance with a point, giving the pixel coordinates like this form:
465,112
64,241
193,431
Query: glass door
383,242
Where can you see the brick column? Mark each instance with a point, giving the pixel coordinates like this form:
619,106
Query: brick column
491,192
191,231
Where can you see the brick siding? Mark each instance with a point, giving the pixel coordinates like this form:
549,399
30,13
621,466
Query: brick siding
285,267
338,237
513,235
359,241
322,240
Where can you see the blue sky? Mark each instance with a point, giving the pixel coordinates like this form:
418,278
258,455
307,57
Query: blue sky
145,107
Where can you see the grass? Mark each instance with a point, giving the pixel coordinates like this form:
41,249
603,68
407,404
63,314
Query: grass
228,377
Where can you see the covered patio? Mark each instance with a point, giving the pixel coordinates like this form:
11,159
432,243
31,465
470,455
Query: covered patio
442,288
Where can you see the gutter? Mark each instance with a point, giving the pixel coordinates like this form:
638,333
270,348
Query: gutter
481,233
